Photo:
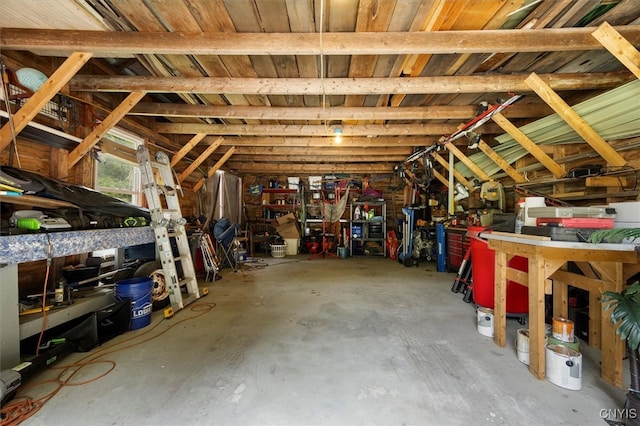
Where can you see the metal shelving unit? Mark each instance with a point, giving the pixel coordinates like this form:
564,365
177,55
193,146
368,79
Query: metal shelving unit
366,242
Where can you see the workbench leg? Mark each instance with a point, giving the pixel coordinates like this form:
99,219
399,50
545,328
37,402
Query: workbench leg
9,317
500,299
595,320
536,318
560,299
612,349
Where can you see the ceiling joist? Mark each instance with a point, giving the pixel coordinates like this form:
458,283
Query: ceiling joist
619,47
127,44
345,86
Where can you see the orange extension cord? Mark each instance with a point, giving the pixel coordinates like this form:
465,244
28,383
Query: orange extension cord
23,407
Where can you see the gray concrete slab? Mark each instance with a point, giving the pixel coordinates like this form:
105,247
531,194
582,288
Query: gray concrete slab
357,341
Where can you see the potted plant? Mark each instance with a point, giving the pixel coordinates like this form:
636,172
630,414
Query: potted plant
625,312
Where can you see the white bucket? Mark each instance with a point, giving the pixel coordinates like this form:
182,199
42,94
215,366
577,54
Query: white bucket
564,367
522,345
531,202
485,321
292,246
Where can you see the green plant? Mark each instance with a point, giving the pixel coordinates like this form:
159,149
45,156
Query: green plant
625,313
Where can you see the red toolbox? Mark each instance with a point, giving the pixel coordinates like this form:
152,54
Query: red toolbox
576,222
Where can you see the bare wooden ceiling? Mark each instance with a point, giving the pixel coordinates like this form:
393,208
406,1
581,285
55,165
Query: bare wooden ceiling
275,78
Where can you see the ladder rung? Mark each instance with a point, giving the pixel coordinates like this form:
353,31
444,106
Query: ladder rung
170,211
180,258
186,280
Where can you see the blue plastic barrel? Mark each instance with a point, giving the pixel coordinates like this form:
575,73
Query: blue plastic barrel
139,291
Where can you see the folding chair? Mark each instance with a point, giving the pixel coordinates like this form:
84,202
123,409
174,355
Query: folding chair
227,243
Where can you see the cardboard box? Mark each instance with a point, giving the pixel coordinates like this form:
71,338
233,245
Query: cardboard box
287,226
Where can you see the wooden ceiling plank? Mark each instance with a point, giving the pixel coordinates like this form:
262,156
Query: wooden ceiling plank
101,129
467,162
254,168
574,120
202,157
504,165
44,94
186,148
316,130
624,51
345,86
556,170
215,168
110,43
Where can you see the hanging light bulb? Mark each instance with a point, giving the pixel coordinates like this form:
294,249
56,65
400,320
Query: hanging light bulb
337,135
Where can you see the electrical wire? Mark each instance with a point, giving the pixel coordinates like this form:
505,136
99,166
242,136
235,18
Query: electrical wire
23,406
44,294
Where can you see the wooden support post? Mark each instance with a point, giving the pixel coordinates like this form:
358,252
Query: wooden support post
500,299
536,317
467,162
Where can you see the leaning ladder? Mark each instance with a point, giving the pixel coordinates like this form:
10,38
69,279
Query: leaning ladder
167,223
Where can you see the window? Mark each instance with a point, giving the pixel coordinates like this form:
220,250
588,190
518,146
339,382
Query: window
116,176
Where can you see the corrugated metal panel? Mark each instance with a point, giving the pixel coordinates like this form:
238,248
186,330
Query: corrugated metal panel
614,115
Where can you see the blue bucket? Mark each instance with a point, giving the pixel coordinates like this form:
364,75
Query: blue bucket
139,291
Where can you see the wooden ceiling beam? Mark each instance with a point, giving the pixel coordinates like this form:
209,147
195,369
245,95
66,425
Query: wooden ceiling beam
317,142
436,112
44,94
215,168
504,165
251,167
336,150
315,130
125,44
207,152
186,148
574,120
320,157
105,125
494,83
619,47
467,162
556,170
445,164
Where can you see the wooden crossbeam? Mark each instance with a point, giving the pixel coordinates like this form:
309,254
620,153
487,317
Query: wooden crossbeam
186,148
215,168
619,47
444,163
44,94
556,170
574,120
101,129
467,162
496,158
207,152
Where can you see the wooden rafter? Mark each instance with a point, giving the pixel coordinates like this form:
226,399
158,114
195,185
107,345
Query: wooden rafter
215,168
101,129
556,170
504,165
619,47
344,86
444,163
467,162
44,94
574,120
182,176
115,43
186,148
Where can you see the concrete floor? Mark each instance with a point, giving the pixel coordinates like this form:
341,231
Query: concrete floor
358,341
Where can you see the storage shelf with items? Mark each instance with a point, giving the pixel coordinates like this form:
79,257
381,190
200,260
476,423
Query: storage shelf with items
368,225
277,202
